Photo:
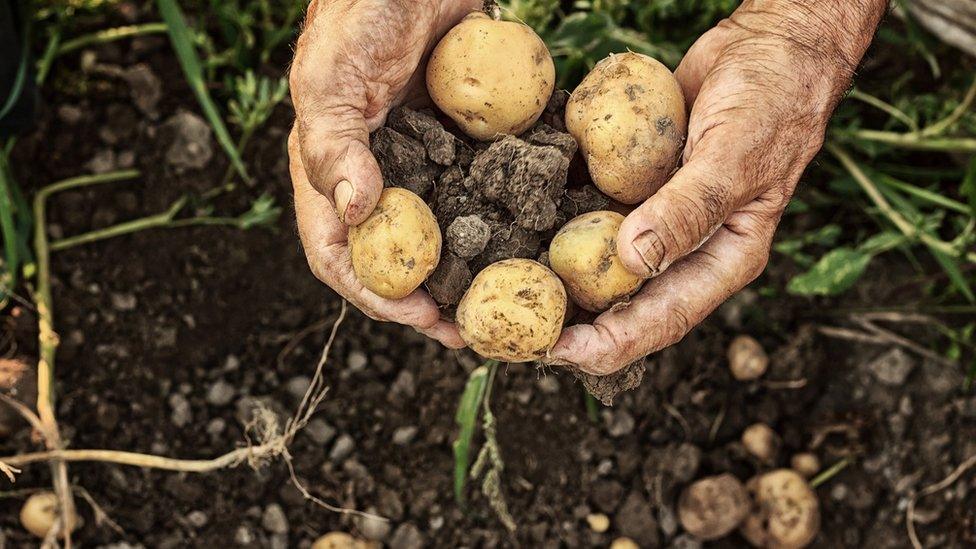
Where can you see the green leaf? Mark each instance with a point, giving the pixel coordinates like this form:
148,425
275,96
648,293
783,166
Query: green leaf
952,268
466,419
835,273
263,212
968,187
182,41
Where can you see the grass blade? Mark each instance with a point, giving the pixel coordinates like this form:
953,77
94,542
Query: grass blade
11,246
182,41
952,269
467,418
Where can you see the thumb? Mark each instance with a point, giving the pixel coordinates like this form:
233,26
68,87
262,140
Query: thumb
335,149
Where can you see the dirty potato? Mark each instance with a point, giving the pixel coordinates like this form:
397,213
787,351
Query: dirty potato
492,77
513,311
629,118
398,245
713,506
40,512
584,255
747,358
785,512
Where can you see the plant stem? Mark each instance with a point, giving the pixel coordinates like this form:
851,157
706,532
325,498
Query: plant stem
146,460
829,473
149,222
9,232
947,122
109,35
892,110
913,140
889,212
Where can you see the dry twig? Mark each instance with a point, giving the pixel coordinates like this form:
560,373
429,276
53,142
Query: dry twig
929,490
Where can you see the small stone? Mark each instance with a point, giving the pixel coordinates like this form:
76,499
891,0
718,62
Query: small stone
404,387
231,363
686,541
619,423
436,523
216,426
320,432
892,367
372,527
598,522
279,541
636,520
244,535
356,361
467,236
220,393
181,414
274,520
342,449
298,386
548,384
102,162
407,536
624,543
145,88
197,519
450,280
404,435
70,114
191,147
389,503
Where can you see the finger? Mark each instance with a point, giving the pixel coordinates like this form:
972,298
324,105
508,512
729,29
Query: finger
445,332
331,101
324,238
678,218
671,304
698,62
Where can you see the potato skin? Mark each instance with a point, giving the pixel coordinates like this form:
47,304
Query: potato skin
629,118
492,77
397,247
584,255
785,512
513,311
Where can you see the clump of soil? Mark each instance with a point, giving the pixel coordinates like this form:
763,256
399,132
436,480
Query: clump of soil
493,201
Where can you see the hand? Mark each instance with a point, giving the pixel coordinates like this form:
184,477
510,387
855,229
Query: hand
353,62
761,86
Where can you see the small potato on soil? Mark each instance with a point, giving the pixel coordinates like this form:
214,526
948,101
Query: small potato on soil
747,358
629,118
761,442
39,513
805,463
513,311
397,247
584,255
492,77
785,511
712,507
342,540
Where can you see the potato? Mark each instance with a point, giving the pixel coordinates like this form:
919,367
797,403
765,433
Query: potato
805,463
584,255
397,247
761,441
39,512
342,540
785,512
492,77
747,358
513,311
713,506
629,118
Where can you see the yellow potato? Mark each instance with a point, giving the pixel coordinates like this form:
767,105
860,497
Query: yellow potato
398,245
785,512
39,513
513,311
492,77
629,118
584,255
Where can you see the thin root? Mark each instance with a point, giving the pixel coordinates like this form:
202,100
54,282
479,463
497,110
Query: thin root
929,490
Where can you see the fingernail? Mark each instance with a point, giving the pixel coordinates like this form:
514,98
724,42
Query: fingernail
342,196
651,250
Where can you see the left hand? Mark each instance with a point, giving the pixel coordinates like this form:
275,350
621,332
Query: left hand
762,86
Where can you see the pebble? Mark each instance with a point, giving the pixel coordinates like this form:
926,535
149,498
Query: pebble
342,449
216,426
548,384
279,541
404,387
373,527
619,423
220,393
123,301
624,543
298,386
407,536
404,435
389,503
320,432
244,535
892,368
70,114
274,520
192,147
436,523
686,541
636,520
181,414
356,361
197,519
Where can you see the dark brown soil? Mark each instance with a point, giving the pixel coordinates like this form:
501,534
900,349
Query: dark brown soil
167,334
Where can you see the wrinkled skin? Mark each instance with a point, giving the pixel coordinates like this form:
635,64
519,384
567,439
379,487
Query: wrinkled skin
761,86
354,61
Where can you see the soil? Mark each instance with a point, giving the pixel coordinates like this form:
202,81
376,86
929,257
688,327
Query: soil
168,336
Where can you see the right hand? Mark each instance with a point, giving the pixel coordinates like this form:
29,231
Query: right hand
354,61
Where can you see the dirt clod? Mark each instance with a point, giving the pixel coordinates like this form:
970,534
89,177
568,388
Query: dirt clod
467,236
